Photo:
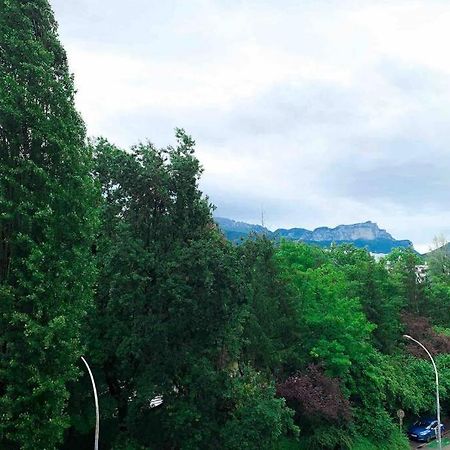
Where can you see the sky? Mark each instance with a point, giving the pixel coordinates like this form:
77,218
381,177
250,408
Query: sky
317,112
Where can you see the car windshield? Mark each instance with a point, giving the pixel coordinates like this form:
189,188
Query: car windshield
423,423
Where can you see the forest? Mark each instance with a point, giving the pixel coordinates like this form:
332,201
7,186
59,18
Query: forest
113,254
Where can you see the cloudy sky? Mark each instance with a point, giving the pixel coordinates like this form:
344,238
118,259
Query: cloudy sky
318,112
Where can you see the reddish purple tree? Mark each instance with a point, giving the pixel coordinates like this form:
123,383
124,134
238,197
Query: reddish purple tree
421,329
316,396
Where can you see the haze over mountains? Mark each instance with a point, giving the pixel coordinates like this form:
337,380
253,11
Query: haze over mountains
363,235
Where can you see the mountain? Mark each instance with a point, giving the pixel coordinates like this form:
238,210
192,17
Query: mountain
240,227
363,235
443,250
365,231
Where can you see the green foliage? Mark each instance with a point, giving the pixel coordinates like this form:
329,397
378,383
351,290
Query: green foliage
334,329
369,281
258,419
166,288
442,330
338,294
172,301
271,328
438,258
47,221
394,441
327,437
438,301
401,264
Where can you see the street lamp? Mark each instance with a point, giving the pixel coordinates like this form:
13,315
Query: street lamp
438,406
97,415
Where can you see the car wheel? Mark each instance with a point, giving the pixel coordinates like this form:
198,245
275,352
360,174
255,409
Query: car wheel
428,438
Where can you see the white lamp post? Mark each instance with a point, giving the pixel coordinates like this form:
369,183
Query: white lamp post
438,406
97,415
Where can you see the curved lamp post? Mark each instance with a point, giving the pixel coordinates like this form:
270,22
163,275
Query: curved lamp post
438,406
97,415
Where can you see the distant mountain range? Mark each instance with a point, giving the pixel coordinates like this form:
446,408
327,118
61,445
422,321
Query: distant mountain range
363,235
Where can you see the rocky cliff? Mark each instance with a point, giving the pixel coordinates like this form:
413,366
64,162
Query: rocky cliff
364,235
366,231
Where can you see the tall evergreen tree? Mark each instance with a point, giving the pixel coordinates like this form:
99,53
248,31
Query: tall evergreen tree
47,222
271,329
167,295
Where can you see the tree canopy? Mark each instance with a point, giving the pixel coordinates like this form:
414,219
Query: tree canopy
47,223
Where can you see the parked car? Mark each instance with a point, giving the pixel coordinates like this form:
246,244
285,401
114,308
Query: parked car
425,430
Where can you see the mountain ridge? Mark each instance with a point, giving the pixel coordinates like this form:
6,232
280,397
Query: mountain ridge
364,235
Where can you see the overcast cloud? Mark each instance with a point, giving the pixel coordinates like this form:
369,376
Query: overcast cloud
319,112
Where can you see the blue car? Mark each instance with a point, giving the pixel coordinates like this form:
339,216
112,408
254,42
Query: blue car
425,430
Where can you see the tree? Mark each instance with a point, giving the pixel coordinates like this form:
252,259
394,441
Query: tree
321,408
316,397
334,329
258,419
171,306
157,247
437,287
335,290
438,258
47,221
369,281
271,327
401,264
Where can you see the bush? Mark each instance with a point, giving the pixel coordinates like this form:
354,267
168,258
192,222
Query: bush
396,441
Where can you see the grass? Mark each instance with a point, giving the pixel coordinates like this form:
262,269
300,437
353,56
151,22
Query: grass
434,444
442,331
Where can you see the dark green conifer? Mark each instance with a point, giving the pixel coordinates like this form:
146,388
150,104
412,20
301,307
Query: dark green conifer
46,227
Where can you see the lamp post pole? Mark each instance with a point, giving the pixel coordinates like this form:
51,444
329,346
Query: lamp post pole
438,406
97,415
